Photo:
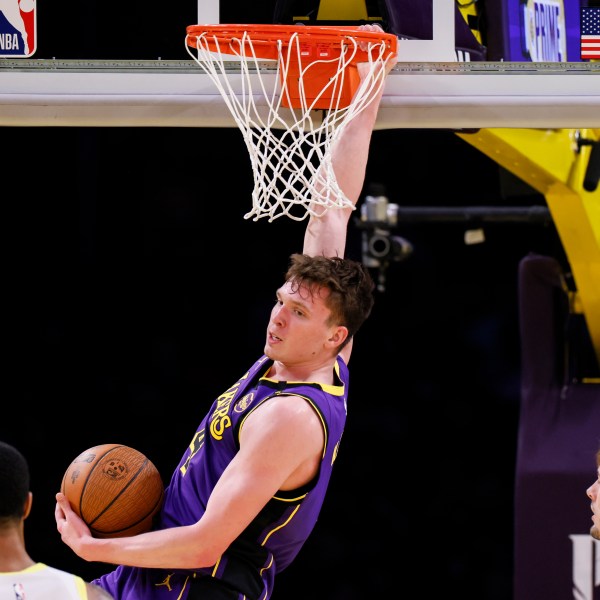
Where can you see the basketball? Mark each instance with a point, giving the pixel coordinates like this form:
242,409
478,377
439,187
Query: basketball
115,489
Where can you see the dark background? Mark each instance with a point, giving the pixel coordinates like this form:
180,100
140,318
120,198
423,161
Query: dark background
136,292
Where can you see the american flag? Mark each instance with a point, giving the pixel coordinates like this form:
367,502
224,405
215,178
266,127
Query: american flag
590,32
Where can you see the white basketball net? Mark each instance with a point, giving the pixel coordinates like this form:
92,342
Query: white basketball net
290,149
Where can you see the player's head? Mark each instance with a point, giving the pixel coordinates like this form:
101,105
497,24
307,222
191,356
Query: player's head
593,493
14,484
350,286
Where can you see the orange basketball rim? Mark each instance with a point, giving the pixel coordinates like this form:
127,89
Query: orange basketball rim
317,64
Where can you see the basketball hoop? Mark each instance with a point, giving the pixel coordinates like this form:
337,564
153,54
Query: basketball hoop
315,69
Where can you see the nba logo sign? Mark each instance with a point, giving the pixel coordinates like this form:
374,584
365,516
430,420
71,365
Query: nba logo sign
18,36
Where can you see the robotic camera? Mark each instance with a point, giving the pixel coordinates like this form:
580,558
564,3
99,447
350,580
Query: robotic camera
379,247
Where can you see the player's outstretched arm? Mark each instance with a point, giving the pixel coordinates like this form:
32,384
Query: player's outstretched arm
326,234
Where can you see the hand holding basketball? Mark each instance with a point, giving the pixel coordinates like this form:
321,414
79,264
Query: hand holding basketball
115,489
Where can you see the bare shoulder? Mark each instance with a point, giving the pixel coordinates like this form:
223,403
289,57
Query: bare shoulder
95,592
286,420
285,408
282,441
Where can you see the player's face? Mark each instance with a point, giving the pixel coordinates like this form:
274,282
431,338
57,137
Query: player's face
298,331
593,493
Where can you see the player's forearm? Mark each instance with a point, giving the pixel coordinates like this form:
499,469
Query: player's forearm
351,150
326,234
175,548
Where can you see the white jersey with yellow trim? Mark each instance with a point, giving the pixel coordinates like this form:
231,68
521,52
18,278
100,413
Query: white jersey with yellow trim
41,582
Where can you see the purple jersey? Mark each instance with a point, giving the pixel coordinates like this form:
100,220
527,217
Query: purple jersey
270,543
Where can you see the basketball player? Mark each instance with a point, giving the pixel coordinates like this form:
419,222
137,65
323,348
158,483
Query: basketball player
593,493
248,490
21,577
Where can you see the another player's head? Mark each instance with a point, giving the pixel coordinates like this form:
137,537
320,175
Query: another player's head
349,287
14,485
593,493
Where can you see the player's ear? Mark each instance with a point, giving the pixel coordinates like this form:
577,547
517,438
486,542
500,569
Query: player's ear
339,335
27,505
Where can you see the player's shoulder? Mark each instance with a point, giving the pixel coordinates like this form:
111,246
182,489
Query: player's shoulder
287,411
287,403
95,592
79,588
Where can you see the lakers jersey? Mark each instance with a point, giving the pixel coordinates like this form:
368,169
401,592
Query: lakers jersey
275,536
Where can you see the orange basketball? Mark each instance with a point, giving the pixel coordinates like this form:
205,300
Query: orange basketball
115,489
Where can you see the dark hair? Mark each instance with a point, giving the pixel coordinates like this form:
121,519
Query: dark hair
350,284
14,483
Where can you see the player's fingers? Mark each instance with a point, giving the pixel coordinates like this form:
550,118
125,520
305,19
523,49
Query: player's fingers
63,505
372,27
390,62
59,515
